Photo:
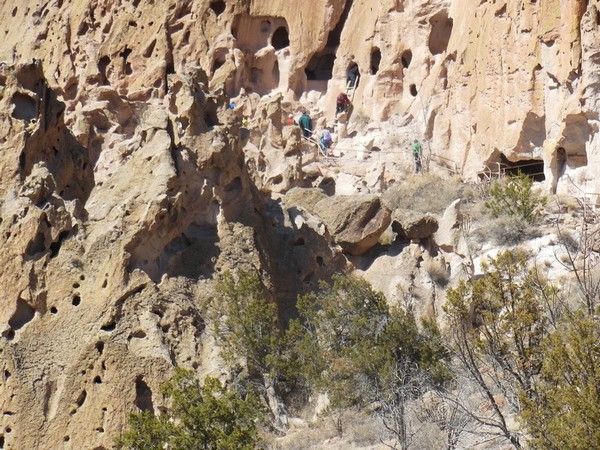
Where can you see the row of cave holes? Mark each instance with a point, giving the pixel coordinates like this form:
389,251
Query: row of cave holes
320,67
279,40
81,398
76,299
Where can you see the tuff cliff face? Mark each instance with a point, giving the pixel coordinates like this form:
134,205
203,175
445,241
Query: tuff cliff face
127,181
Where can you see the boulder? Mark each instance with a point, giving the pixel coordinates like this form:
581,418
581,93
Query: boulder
412,225
356,222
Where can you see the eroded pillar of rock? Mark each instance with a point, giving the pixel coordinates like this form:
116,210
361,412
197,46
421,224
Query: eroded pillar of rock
550,165
342,126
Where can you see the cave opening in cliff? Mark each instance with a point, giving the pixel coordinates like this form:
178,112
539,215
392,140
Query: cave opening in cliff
406,58
413,90
143,395
441,29
103,64
576,136
320,66
533,168
375,60
23,314
218,7
25,107
353,75
219,58
280,38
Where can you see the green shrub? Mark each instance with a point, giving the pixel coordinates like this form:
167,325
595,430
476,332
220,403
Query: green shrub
204,417
513,197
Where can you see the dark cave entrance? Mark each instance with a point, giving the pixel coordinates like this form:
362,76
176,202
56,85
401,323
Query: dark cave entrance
280,38
533,168
406,58
375,60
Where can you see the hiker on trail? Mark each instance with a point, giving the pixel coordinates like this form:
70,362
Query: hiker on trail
325,141
416,151
305,125
290,120
352,76
342,103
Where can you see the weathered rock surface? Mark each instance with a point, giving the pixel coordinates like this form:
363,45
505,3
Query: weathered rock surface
143,150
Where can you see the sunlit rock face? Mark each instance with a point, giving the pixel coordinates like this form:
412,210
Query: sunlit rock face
143,150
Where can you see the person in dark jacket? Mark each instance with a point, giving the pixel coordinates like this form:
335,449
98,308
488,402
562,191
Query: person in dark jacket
305,125
353,75
342,103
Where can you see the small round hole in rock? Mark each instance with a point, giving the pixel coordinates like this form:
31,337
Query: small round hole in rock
53,310
76,300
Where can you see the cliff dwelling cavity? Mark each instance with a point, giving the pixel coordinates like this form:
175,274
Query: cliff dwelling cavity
375,60
320,66
280,39
533,168
406,58
143,395
441,29
576,134
25,107
218,7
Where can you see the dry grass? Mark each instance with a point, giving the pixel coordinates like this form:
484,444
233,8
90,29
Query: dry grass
436,269
422,193
358,430
505,230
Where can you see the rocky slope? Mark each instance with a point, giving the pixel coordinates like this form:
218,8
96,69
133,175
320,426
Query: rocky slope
127,182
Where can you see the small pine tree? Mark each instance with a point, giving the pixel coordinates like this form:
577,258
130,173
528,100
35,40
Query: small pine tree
207,417
367,353
513,197
565,410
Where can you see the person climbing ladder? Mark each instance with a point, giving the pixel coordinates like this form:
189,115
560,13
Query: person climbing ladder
342,103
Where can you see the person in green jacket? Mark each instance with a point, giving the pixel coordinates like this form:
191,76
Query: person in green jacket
305,125
416,151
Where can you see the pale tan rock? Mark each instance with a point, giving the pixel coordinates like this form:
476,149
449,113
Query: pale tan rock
448,233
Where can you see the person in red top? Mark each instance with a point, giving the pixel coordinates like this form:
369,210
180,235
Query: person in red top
342,103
